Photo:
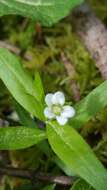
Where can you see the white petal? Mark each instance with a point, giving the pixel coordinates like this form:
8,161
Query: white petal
48,99
61,120
68,112
48,113
58,98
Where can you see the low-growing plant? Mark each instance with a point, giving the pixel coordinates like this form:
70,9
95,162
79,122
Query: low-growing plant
61,120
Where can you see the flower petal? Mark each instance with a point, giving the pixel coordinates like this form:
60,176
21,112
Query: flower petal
68,112
48,99
48,113
61,120
58,98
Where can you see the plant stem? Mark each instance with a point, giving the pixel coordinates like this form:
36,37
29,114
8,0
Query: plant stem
35,175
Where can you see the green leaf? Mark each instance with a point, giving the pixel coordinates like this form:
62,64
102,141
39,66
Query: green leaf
19,83
67,170
81,185
90,105
13,138
39,87
45,11
49,187
77,155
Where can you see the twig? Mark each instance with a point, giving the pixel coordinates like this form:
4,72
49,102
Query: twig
71,72
15,49
93,34
10,47
32,175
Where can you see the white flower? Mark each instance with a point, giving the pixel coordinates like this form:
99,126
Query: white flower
56,109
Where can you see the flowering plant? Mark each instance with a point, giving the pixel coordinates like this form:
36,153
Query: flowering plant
65,141
60,122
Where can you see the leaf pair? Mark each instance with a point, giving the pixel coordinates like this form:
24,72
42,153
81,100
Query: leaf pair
65,141
27,92
20,84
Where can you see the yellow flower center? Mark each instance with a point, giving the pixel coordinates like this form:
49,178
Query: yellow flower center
56,109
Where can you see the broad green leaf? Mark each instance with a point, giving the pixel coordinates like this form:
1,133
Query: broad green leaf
45,11
19,83
49,187
90,105
39,87
46,149
13,138
81,185
77,155
67,170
